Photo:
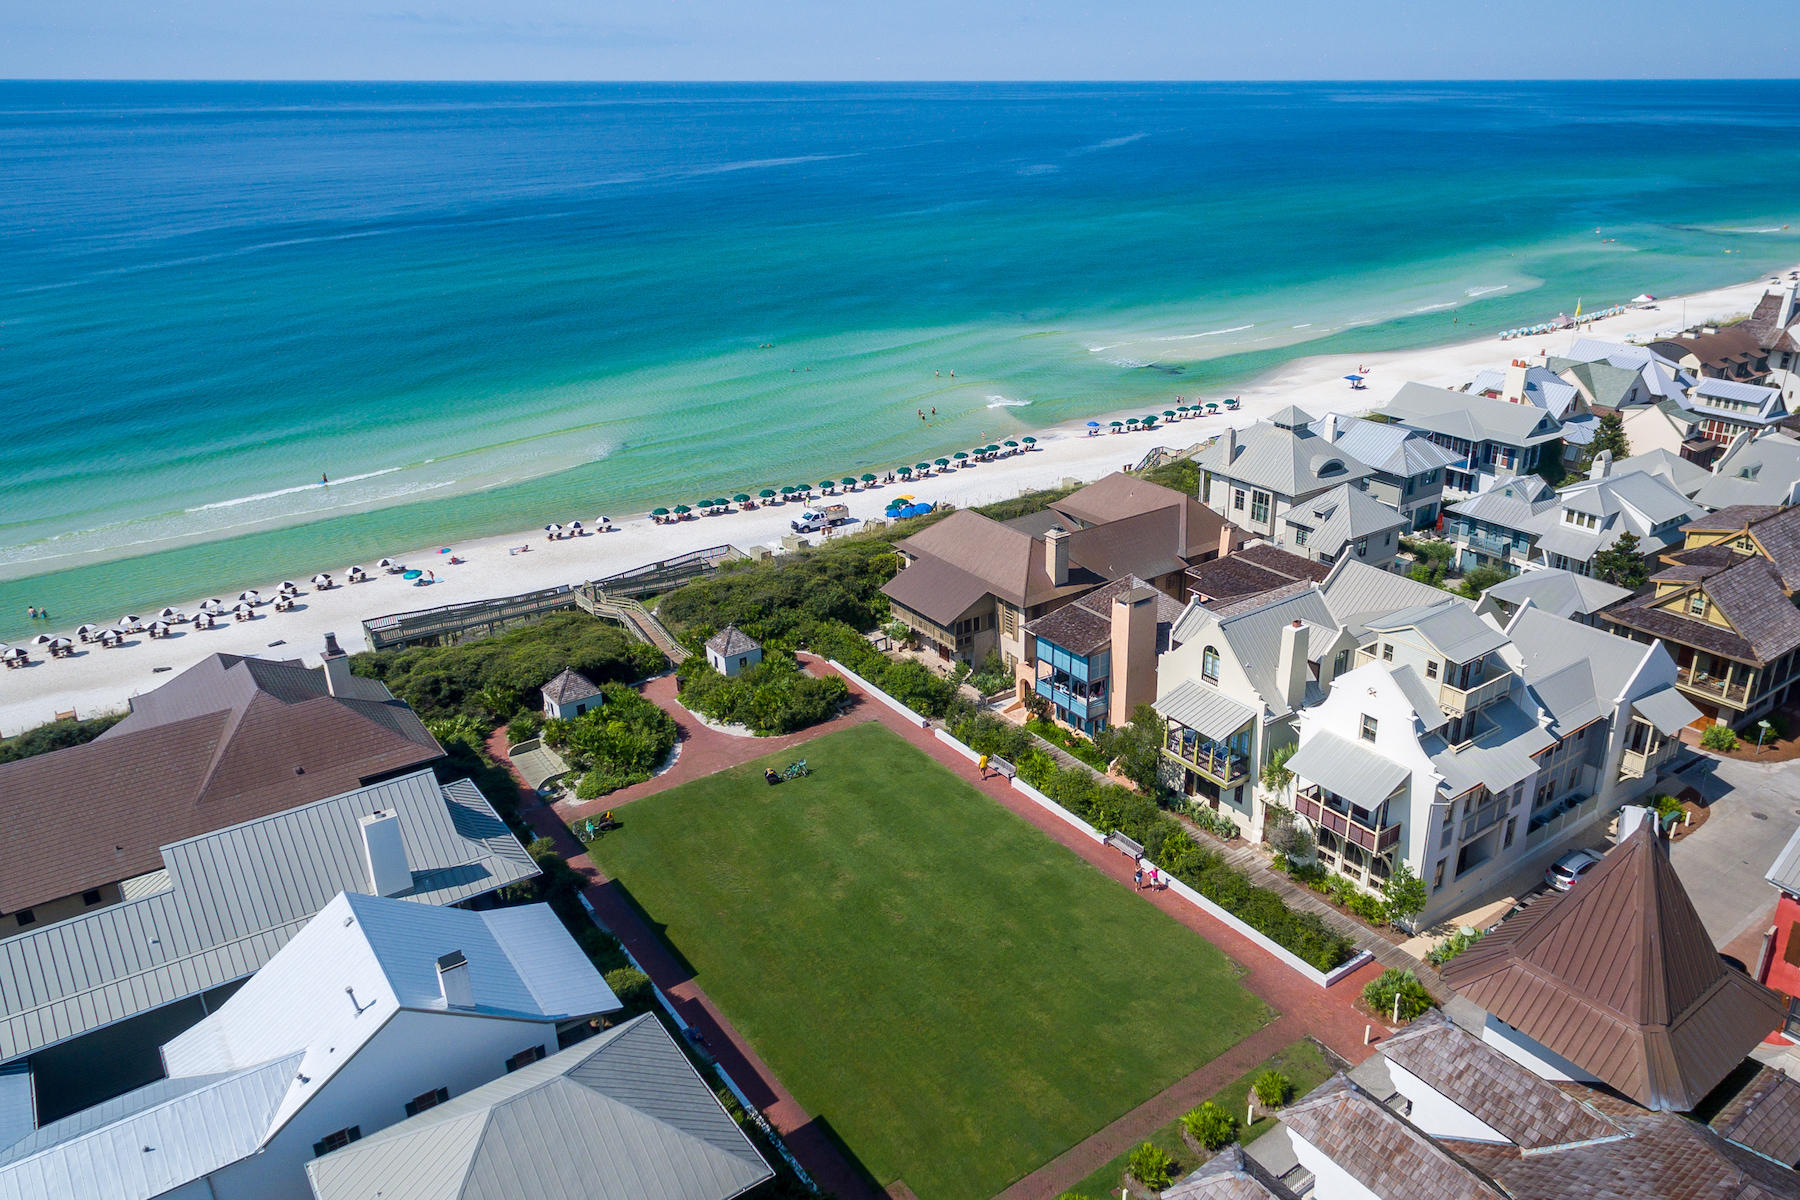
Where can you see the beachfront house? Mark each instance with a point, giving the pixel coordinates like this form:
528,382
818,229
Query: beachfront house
1492,439
1524,383
1093,661
1723,605
1776,323
969,585
1252,477
731,651
1472,752
1733,352
569,695
375,1011
1721,409
1408,467
1345,522
1619,376
1566,529
621,1114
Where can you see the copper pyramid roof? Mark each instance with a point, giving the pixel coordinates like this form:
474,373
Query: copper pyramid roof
1619,977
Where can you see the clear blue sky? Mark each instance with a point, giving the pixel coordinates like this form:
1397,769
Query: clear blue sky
893,39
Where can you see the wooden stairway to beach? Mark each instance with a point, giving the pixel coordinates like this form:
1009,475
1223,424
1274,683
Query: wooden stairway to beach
638,621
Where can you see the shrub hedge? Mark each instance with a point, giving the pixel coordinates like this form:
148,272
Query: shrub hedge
616,745
775,696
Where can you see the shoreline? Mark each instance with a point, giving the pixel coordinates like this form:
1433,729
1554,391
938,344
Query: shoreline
99,680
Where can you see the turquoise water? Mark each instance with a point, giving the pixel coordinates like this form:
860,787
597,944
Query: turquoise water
478,308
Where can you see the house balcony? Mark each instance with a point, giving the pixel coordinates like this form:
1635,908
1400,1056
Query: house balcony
1457,701
1731,690
1310,804
1210,759
1071,700
1636,764
1494,546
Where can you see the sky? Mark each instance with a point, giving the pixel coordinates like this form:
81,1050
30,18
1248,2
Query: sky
892,39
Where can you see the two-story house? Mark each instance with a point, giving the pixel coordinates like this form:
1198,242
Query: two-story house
1492,439
1723,605
1499,527
1094,660
969,584
1253,476
1345,522
1408,467
1548,589
1724,408
1756,469
1469,752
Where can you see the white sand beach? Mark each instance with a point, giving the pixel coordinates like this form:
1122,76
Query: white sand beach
98,680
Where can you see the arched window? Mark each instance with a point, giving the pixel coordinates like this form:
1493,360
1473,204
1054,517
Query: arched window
1209,664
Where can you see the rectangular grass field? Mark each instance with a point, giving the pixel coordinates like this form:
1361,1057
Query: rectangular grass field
961,998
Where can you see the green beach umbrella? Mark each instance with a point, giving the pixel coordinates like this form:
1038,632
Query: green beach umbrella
659,512
1011,445
787,489
922,466
827,484
959,455
944,462
850,480
1168,412
767,493
1130,421
1029,441
1118,424
992,447
681,509
903,470
740,498
868,478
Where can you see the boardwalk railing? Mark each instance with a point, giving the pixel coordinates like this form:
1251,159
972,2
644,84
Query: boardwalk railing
638,621
652,578
451,621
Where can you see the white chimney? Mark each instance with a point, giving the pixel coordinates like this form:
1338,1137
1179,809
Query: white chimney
1513,392
1230,444
1601,466
385,854
453,980
1291,666
1056,555
337,667
1631,816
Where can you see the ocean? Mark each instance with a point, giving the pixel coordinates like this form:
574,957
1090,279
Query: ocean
478,308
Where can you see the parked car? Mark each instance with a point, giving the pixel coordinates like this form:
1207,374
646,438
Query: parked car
1570,867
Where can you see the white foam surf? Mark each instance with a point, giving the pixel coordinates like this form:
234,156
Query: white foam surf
1004,402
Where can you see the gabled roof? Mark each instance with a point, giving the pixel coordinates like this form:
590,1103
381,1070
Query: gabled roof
1729,347
1766,399
1609,386
1254,636
363,958
1356,772
1558,592
1749,592
228,740
1522,502
937,590
1684,475
1619,976
1391,449
1119,496
570,687
1571,666
1754,471
1543,388
1356,593
1493,1088
232,898
1229,1175
623,1116
731,641
1448,624
1343,515
1008,563
1288,461
1251,571
1084,625
1472,418
1381,1150
1500,758
151,1141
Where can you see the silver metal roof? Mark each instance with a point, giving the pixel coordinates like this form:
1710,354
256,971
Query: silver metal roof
1558,592
1499,758
1762,470
1667,709
1356,593
1356,772
1392,449
1784,872
1285,461
1449,625
1422,696
237,896
1342,515
148,1142
1472,418
1207,711
622,1116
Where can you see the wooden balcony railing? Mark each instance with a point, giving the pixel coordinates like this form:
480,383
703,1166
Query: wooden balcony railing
1309,804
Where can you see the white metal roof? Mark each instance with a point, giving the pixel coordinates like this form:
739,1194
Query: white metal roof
1207,711
1356,772
1667,709
235,898
621,1117
1472,418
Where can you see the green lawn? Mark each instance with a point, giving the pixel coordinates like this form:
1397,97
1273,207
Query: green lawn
1301,1062
960,997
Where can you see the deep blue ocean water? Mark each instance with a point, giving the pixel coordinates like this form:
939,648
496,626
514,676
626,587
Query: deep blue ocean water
477,307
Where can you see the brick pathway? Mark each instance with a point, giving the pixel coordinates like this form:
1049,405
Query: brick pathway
1328,1015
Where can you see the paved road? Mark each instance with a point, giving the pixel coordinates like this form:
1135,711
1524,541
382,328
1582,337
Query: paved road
1754,810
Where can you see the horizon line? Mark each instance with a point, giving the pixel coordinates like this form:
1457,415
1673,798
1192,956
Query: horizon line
848,82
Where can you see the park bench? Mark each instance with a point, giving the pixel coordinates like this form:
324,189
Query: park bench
1129,848
1003,769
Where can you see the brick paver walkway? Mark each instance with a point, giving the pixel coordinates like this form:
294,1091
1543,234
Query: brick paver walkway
1328,1015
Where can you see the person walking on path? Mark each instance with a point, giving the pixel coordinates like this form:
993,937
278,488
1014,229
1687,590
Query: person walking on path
981,766
1138,878
1156,879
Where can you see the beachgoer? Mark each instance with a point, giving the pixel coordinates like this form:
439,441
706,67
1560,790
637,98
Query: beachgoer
1155,878
43,614
934,410
32,611
323,478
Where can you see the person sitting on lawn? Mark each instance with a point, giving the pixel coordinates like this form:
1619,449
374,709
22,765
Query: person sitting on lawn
770,775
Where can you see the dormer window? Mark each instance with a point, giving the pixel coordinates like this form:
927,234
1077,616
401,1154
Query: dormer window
1697,604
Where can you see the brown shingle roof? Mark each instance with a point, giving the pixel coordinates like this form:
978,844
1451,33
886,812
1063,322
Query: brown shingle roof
1085,625
1381,1150
1765,1116
1251,571
1715,351
1498,1091
1665,1157
1119,496
226,741
1008,562
731,641
937,590
569,688
1229,1175
1619,977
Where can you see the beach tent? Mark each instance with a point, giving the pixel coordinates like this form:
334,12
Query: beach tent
385,563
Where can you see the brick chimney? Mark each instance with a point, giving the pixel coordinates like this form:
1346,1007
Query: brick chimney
1056,555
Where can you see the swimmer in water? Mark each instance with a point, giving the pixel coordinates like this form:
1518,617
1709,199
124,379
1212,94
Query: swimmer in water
324,479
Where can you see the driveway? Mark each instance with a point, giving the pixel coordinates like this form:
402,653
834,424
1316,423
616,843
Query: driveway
1754,809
